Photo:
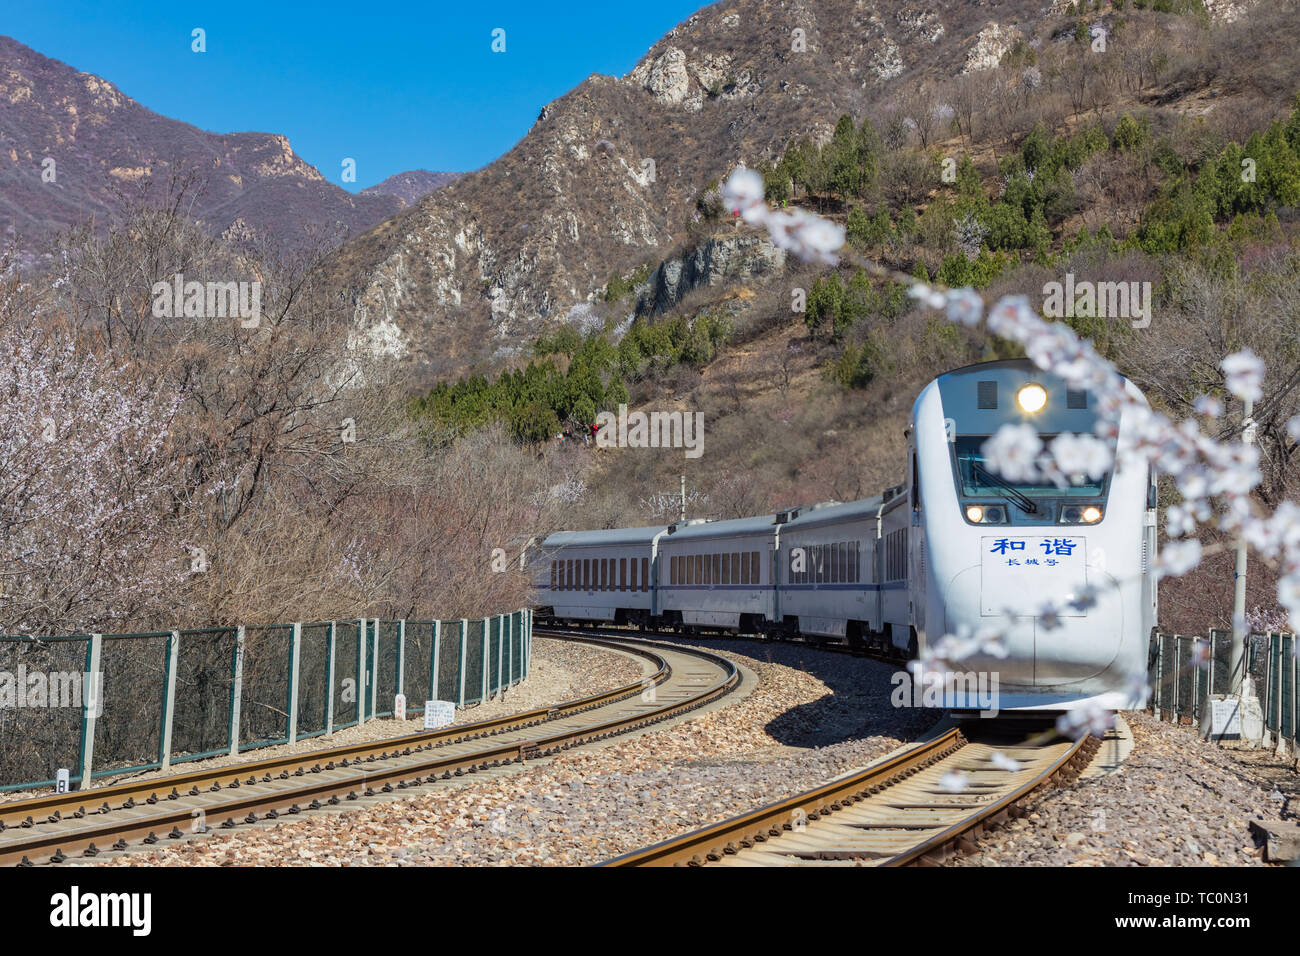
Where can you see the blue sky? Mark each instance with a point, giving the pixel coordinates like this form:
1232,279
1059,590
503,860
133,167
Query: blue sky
393,86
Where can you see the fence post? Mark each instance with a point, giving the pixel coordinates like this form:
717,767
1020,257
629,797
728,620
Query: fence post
329,682
1281,669
464,633
89,710
237,691
401,656
503,678
374,668
510,650
362,630
295,651
169,699
528,636
433,669
487,671
1295,693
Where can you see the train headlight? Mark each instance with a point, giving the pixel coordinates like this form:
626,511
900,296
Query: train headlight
985,514
1081,514
1031,398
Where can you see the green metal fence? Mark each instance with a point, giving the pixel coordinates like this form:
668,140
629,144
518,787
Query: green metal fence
100,705
1187,670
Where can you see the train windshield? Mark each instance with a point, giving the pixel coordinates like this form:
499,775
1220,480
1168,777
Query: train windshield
977,479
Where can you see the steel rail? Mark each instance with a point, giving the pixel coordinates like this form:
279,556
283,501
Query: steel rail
365,769
727,839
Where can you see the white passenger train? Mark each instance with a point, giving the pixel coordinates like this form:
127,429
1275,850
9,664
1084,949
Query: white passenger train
1060,573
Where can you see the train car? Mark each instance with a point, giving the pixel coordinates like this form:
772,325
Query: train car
598,576
718,574
1061,573
830,584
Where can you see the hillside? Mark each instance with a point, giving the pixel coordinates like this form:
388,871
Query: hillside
609,178
107,150
1127,169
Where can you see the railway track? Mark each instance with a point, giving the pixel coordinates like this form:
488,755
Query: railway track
918,806
58,827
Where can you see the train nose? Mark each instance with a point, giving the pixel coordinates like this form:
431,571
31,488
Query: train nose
1039,652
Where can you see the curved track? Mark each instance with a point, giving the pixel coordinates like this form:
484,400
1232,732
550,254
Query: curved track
911,807
60,826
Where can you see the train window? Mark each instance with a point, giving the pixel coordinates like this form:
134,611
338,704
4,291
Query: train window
586,574
754,567
645,574
916,486
855,563
717,569
726,569
708,569
735,568
835,563
699,569
622,573
744,568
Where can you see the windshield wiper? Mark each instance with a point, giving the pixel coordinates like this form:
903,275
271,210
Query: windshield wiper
1026,503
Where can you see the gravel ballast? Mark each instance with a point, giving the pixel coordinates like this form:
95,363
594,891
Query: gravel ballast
813,715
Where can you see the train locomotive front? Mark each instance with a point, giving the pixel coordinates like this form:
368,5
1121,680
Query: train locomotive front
1059,571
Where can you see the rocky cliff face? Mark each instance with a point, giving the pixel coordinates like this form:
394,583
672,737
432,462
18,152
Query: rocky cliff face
73,147
716,261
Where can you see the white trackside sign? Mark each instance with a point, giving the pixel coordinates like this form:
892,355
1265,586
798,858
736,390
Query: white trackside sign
438,713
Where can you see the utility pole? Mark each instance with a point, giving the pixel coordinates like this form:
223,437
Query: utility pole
1237,682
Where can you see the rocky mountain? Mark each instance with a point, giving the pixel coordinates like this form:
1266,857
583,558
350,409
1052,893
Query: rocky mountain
74,147
608,178
412,185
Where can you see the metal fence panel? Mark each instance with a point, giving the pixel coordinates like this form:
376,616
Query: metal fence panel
37,740
347,683
449,661
474,662
128,733
313,679
417,662
494,655
201,722
264,702
386,667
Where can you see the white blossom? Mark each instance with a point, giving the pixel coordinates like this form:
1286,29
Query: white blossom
1210,407
1013,452
1179,557
1003,762
1244,375
1087,718
1081,455
954,781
